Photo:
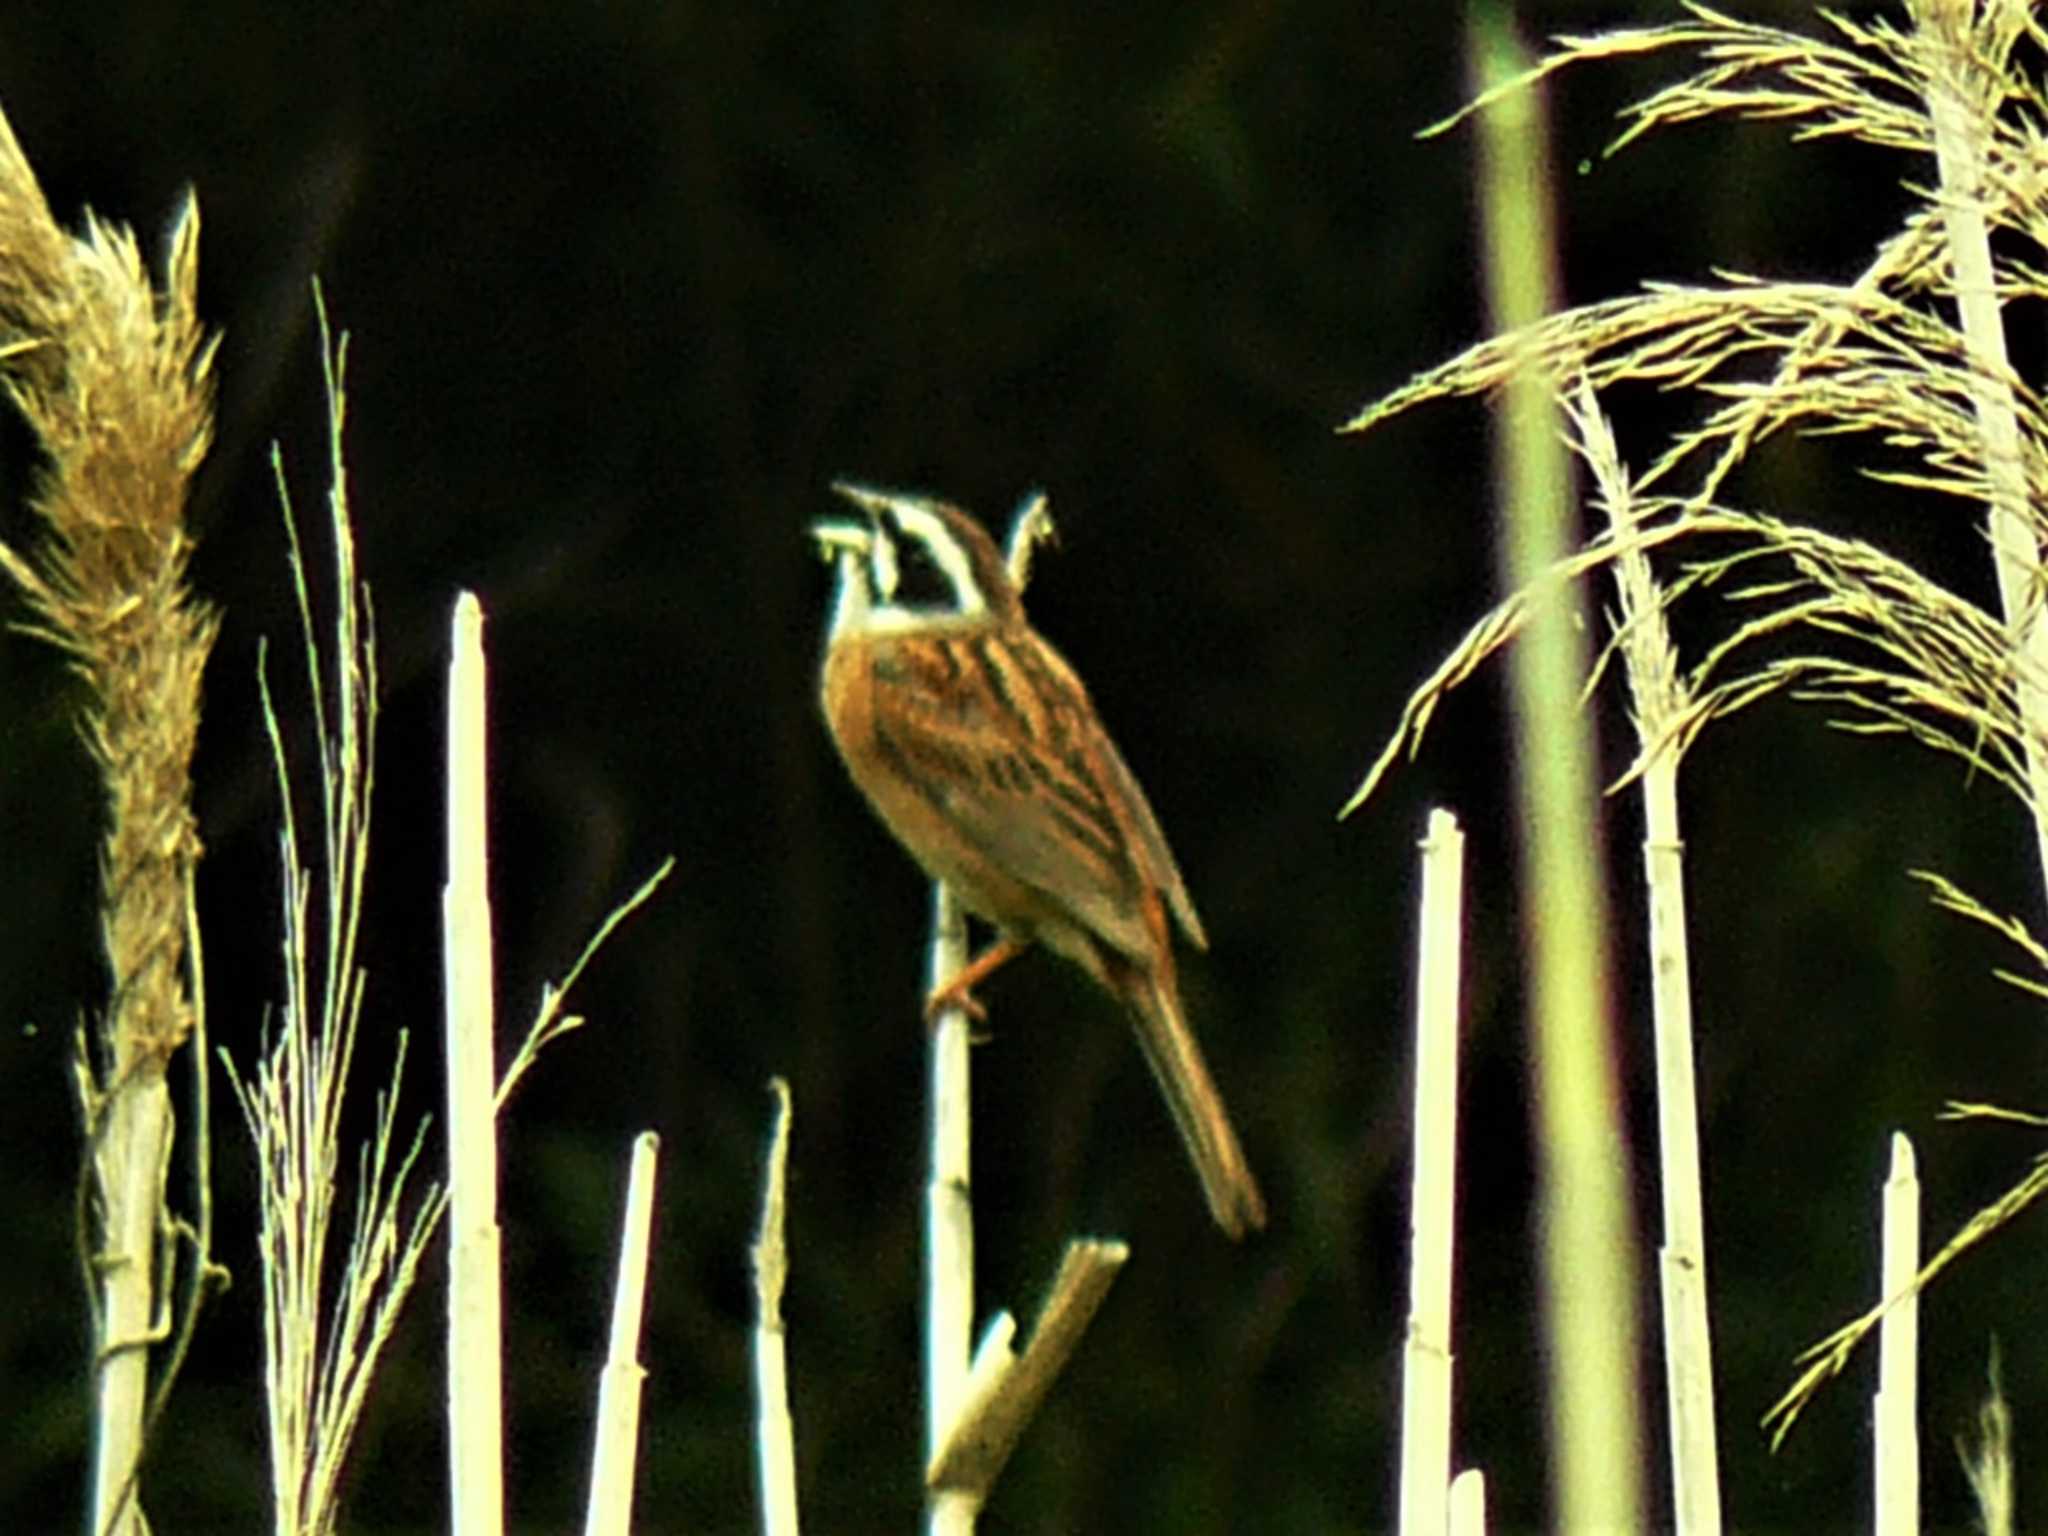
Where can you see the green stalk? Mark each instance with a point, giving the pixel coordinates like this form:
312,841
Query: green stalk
1589,1242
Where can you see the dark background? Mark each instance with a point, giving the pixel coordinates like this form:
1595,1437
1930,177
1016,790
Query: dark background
628,285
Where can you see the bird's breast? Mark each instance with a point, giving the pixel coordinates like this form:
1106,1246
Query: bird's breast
913,792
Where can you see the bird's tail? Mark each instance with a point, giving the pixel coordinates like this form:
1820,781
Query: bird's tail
1176,1061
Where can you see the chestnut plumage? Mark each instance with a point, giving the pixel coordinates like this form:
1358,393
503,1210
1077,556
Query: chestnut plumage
979,749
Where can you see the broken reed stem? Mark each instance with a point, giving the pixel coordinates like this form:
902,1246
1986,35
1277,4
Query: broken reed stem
1468,1504
949,1220
1426,1373
774,1432
112,377
475,1323
1895,1414
616,1450
1005,1386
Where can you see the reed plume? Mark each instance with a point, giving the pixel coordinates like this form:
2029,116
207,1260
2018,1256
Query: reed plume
113,378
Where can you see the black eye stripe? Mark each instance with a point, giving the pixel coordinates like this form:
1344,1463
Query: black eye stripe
922,582
919,554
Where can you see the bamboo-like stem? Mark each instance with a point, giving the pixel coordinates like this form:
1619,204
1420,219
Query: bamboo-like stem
1588,1238
1826,1359
1895,1442
774,1433
1468,1504
1426,1373
1682,1263
1961,109
475,1327
1659,699
949,1220
134,1146
616,1443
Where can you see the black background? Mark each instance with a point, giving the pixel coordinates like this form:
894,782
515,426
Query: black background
628,285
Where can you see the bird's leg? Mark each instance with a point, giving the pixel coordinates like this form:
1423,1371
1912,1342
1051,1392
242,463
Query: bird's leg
956,990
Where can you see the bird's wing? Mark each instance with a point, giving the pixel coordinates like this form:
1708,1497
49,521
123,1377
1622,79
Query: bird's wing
1165,872
997,732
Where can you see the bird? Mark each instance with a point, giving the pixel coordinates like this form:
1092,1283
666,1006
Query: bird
979,749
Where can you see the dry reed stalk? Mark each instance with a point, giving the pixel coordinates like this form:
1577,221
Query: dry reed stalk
113,378
1910,355
1657,697
774,1430
325,1325
1428,1356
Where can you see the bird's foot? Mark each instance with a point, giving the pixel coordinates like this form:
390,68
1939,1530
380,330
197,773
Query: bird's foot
957,990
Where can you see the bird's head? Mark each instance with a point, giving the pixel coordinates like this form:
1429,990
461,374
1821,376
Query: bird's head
912,562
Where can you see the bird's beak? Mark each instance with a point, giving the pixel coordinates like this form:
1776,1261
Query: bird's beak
837,538
869,500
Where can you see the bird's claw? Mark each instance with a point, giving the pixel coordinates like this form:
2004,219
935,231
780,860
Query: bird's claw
953,994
